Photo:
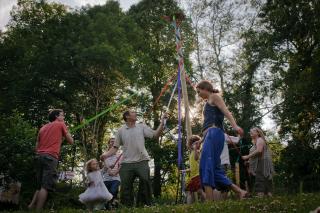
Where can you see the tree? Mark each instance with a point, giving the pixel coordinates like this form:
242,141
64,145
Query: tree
291,32
74,60
156,62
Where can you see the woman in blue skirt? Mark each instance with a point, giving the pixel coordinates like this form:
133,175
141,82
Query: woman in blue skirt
211,174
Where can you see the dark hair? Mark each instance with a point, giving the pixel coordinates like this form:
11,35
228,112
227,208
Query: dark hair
193,139
125,114
53,114
206,85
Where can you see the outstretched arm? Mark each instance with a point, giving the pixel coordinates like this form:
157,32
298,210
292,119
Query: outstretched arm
109,153
218,101
69,138
260,144
161,126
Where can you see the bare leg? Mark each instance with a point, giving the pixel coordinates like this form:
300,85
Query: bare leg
189,198
216,195
34,200
41,198
242,193
202,195
224,195
209,193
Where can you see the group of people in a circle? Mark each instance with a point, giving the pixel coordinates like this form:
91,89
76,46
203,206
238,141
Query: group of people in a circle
205,158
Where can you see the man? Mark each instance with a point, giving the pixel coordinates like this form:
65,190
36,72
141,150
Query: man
131,136
47,154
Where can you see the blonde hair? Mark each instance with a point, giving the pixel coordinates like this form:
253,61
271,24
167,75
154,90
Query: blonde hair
89,165
260,133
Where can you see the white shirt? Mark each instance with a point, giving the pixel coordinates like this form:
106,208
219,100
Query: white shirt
132,140
109,162
225,159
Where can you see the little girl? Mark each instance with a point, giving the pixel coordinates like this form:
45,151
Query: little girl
97,192
194,186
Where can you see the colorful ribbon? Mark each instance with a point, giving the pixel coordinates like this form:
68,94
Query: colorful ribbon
114,106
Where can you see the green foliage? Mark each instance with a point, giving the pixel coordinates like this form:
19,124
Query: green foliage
17,145
291,37
155,64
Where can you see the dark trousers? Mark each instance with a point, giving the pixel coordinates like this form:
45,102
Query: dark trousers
113,186
128,173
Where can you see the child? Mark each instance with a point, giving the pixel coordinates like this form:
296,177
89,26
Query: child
194,185
97,192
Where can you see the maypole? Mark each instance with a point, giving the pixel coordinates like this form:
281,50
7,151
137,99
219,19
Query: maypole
176,21
182,87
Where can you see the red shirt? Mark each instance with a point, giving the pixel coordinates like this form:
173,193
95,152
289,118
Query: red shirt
50,138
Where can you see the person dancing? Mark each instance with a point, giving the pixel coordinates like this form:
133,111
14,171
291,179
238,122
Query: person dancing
211,174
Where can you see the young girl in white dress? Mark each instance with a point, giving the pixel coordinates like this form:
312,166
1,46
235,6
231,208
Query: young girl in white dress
96,192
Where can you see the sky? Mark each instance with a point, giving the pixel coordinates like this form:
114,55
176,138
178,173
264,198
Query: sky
6,6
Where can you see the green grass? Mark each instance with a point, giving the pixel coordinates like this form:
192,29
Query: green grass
290,203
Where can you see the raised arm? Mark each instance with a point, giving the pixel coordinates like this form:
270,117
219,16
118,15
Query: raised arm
113,150
161,126
231,139
69,138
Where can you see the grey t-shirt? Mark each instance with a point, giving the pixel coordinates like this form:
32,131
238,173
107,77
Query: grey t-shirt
132,140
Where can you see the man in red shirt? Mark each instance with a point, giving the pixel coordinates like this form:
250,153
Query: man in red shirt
48,150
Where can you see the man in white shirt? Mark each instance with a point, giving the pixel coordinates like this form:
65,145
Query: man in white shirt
131,136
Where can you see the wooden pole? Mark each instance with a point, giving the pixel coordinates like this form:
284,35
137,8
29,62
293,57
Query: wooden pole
176,23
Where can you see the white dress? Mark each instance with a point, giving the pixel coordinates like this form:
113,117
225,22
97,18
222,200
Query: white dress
97,192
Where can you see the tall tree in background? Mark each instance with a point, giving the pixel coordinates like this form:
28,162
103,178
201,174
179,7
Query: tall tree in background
292,32
156,61
77,60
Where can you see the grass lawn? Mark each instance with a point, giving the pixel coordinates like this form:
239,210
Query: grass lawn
290,203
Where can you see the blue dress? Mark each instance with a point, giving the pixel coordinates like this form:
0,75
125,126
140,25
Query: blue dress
211,173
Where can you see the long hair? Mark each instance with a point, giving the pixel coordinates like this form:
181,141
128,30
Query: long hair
89,166
193,139
207,85
260,133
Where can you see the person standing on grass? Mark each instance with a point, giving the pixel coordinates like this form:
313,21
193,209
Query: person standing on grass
110,174
97,192
193,188
211,174
131,136
47,154
225,163
260,163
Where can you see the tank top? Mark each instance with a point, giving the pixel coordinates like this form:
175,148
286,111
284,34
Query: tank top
212,116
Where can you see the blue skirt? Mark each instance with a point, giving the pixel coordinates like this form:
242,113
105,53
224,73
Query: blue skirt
211,173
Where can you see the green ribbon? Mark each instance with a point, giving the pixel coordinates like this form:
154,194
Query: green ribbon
114,106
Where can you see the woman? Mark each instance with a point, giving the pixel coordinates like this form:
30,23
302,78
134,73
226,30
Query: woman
260,163
110,174
211,174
